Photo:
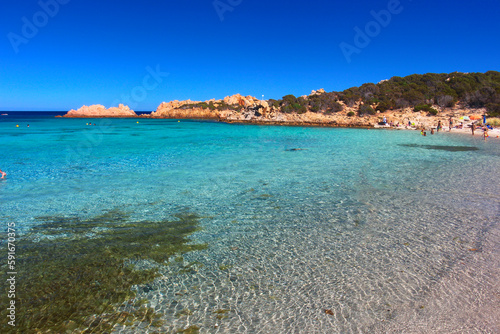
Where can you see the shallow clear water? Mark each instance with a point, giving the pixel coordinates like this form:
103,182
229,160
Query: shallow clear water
310,230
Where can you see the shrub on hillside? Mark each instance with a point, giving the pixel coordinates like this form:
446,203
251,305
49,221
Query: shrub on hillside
493,109
446,101
383,106
366,109
425,107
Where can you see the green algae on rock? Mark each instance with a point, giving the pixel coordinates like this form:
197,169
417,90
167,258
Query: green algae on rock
76,275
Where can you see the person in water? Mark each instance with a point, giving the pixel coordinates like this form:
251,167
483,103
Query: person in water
3,174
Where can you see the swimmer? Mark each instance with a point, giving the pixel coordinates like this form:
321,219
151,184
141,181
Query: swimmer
3,174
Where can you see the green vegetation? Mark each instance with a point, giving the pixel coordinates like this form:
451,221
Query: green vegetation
326,103
366,109
474,90
212,106
190,330
221,314
418,91
290,104
425,107
76,275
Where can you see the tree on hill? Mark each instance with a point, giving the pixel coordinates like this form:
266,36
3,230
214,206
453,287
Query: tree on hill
474,90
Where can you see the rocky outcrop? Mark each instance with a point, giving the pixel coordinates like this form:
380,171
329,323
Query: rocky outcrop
244,101
191,113
212,109
184,110
98,110
317,92
248,109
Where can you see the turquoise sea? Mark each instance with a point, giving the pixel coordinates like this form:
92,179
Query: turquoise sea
308,230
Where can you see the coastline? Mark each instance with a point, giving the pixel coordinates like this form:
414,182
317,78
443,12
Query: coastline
418,120
238,109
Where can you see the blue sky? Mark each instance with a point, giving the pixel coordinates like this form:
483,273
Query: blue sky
104,52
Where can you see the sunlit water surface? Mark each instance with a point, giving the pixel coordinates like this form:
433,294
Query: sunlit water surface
309,230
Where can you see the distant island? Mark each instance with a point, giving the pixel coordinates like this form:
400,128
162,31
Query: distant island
417,99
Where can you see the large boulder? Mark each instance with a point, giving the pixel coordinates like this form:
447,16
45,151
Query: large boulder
98,110
235,99
264,103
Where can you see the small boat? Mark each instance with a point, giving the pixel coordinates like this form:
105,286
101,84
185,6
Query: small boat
5,114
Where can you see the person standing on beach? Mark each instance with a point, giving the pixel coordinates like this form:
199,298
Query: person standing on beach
473,127
451,123
3,174
439,126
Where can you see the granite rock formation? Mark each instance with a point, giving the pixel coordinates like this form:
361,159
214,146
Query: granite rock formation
98,110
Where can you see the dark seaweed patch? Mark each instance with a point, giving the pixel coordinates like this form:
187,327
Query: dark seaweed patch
442,147
76,275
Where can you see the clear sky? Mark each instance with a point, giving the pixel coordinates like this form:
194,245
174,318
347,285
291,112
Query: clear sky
62,54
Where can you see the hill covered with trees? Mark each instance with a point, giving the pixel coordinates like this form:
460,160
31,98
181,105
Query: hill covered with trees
423,92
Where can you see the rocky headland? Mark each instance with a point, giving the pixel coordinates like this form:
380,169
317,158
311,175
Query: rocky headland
415,101
236,109
248,109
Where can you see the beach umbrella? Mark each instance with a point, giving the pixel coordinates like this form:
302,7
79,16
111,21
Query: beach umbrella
475,117
465,118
